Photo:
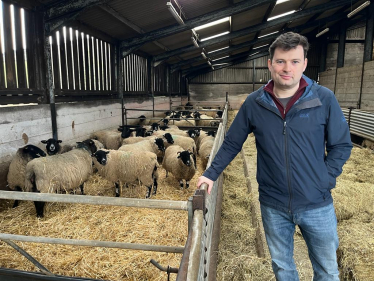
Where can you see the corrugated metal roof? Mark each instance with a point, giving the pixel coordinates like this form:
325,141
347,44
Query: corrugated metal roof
125,20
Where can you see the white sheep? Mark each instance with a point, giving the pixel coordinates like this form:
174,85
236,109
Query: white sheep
180,163
155,145
205,149
58,173
186,143
109,138
128,167
17,167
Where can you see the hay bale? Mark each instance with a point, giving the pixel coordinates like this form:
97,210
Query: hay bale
356,250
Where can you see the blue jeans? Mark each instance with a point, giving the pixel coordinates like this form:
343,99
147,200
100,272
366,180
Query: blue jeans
319,229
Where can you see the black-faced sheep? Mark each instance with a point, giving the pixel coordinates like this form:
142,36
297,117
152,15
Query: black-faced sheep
202,136
110,139
180,163
186,143
17,167
125,131
58,173
53,146
155,145
127,167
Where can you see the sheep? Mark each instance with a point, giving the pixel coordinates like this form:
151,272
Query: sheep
155,145
58,173
202,136
125,131
17,167
205,149
192,133
110,139
186,143
180,163
53,146
94,145
127,167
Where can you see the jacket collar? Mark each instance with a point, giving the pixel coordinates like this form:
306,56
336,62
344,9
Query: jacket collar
309,98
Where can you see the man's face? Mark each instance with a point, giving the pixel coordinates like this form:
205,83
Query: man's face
287,67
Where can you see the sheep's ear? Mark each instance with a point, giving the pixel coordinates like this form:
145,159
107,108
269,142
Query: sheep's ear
59,141
106,152
43,141
191,153
179,154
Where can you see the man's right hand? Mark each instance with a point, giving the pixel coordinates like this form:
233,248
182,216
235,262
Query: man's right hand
202,180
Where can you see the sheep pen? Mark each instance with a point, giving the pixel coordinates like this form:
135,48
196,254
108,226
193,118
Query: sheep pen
105,223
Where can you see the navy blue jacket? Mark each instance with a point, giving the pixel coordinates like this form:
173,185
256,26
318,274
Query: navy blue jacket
299,157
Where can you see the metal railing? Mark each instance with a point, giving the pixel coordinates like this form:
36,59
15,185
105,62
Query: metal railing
196,261
360,122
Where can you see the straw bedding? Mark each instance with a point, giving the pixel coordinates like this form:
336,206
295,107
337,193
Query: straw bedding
105,223
354,204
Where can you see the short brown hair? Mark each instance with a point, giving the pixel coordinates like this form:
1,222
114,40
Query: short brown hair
288,41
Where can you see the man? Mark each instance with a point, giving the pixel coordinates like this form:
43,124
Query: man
302,141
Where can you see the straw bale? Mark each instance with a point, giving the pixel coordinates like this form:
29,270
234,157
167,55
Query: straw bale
356,250
353,199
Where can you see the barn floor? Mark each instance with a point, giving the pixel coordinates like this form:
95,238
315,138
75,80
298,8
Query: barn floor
353,200
105,223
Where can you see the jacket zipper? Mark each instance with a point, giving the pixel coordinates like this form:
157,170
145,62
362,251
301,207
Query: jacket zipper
287,165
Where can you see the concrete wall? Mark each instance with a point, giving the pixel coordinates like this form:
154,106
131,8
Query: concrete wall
348,84
29,124
367,97
237,93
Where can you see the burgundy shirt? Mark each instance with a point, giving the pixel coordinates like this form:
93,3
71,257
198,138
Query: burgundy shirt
283,111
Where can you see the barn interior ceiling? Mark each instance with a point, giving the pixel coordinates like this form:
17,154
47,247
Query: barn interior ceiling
195,36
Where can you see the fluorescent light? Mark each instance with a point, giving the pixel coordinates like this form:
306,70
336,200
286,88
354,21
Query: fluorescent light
209,63
174,13
254,54
203,54
260,46
212,23
267,34
194,42
218,64
359,8
221,58
323,32
281,1
281,15
214,36
218,50
212,67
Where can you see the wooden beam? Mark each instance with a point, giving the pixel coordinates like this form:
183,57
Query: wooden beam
63,8
192,23
255,28
368,46
260,40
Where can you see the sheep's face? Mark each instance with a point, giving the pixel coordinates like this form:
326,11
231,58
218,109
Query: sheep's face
160,144
101,156
185,156
140,132
53,146
192,133
33,151
169,138
155,126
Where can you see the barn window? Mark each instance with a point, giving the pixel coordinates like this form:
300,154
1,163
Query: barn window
80,62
